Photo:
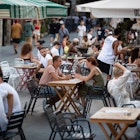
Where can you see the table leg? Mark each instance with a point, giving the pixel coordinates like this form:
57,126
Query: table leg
124,133
105,132
22,76
112,129
72,102
67,100
62,99
122,130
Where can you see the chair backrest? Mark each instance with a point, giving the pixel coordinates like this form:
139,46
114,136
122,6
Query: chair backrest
60,121
19,62
16,120
96,90
131,66
66,68
50,116
4,63
32,85
5,69
114,104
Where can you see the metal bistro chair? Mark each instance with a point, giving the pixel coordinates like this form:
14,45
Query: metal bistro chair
66,68
14,126
40,91
101,94
75,129
5,69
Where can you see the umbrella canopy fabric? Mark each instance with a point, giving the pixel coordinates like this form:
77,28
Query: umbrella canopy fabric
30,9
51,9
19,9
87,6
112,8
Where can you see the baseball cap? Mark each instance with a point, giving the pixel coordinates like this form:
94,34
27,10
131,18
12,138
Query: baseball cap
61,22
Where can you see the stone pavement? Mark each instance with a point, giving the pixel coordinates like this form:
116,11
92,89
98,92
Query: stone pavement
36,126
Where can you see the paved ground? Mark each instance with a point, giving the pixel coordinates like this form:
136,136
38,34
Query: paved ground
36,126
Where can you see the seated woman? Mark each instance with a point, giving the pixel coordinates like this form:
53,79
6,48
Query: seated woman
95,75
26,53
135,57
27,56
117,88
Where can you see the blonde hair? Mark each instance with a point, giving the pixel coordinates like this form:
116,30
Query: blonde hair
117,71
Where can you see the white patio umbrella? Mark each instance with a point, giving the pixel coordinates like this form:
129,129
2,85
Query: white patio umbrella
112,8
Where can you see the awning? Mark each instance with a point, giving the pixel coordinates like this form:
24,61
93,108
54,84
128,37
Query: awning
31,9
20,9
112,8
51,9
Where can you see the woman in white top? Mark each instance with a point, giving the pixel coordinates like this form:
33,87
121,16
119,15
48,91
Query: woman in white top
117,88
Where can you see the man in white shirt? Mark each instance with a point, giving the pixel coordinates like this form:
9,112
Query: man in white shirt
9,89
46,59
39,45
106,57
4,95
81,29
54,50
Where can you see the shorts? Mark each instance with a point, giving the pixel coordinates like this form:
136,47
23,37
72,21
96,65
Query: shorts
37,32
16,40
106,68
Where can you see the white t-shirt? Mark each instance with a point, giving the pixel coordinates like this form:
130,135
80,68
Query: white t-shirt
44,60
82,30
3,117
54,52
89,36
39,55
16,103
106,55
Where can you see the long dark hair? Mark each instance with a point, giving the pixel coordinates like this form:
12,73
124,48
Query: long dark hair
134,54
1,74
26,48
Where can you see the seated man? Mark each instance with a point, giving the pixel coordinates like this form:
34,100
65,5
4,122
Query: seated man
4,95
52,72
73,47
39,45
46,59
9,89
54,50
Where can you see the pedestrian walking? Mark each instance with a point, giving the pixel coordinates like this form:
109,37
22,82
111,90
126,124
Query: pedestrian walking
16,31
37,27
81,29
62,31
28,31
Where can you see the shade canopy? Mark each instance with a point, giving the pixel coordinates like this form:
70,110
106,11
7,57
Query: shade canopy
30,9
19,9
112,8
51,9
